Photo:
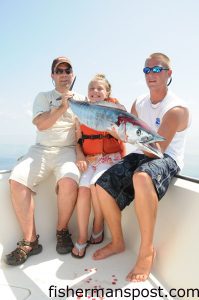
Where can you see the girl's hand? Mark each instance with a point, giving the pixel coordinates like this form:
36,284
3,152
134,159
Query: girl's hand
82,165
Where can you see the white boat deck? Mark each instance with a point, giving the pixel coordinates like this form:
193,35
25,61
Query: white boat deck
33,279
175,267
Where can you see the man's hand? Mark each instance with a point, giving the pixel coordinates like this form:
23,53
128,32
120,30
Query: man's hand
64,99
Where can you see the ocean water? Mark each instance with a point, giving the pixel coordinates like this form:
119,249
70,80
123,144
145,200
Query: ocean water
9,154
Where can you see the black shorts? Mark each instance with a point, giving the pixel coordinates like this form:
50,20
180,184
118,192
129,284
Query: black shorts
117,180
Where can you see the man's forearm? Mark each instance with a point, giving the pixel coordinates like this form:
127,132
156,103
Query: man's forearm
48,119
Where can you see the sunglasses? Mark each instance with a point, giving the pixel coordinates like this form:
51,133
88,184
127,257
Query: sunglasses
62,71
155,69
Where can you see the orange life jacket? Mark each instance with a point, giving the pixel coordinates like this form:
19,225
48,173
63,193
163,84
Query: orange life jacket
100,142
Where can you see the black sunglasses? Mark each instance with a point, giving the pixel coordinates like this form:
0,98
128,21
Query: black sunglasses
155,69
62,71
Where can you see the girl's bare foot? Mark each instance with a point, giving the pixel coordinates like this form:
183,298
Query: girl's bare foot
108,250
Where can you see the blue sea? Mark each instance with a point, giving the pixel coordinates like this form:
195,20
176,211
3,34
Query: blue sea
9,154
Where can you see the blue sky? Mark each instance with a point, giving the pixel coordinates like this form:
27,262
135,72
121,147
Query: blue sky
109,36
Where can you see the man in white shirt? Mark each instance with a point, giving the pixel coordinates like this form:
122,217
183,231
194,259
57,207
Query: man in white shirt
54,151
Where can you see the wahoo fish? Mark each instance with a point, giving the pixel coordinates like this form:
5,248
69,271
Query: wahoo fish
106,116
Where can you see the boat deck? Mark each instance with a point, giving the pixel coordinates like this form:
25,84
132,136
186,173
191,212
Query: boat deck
176,231
32,280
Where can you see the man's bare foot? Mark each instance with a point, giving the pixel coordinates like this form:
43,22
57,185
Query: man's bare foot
142,268
108,250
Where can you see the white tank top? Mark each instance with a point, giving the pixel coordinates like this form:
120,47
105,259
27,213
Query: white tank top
153,114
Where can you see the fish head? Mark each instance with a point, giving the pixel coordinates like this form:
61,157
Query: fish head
148,137
135,133
138,134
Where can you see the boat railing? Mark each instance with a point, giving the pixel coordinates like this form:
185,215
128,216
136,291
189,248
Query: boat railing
191,179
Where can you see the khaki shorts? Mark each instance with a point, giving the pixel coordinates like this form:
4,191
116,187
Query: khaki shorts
41,161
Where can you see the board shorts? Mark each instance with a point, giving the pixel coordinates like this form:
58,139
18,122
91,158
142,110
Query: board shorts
41,161
117,181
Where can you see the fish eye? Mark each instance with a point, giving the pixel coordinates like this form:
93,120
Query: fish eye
138,132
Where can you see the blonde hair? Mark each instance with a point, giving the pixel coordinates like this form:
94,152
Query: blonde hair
165,60
104,80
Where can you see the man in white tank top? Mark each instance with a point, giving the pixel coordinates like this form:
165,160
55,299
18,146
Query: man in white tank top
141,175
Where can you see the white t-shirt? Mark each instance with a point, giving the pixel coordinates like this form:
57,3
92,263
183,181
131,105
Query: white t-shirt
62,133
153,114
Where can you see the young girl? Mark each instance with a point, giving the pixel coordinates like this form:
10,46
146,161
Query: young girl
96,152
